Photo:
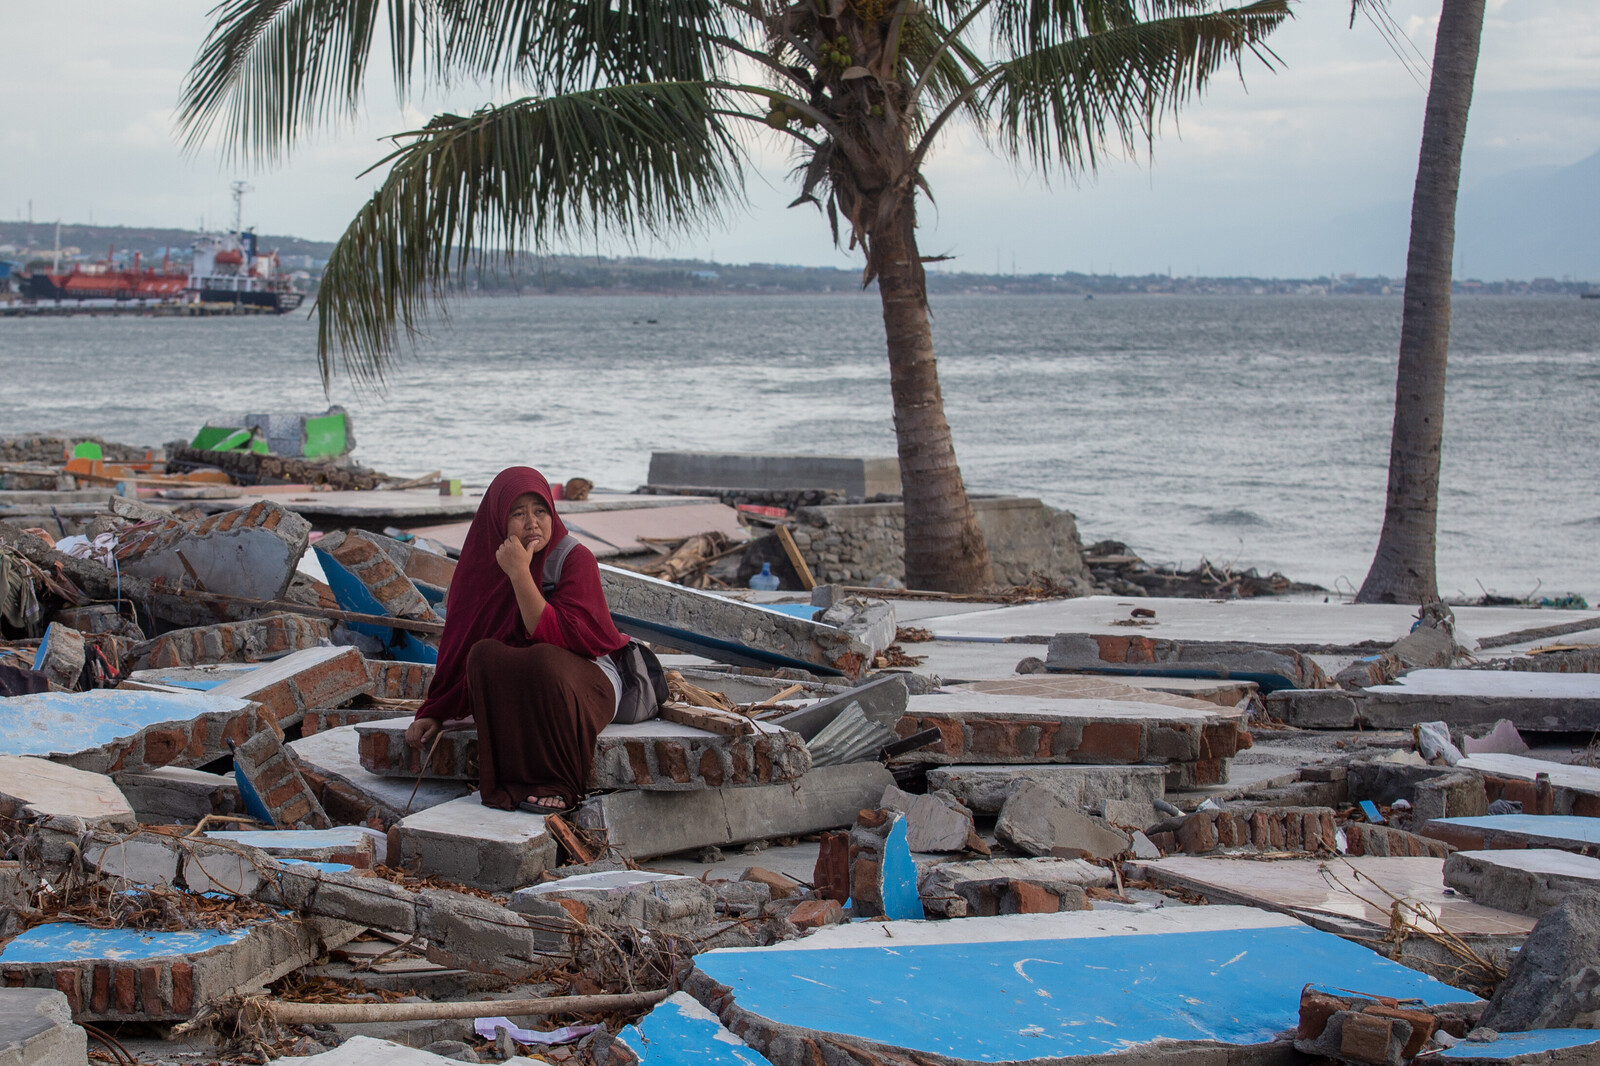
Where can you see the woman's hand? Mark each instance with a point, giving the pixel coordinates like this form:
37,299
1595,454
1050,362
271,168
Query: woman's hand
421,731
513,557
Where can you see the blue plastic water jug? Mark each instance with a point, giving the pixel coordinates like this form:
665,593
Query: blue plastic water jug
766,581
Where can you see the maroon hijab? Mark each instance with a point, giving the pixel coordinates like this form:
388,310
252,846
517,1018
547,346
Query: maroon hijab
483,606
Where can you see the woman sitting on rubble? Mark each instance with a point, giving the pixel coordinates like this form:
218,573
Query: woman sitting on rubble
531,668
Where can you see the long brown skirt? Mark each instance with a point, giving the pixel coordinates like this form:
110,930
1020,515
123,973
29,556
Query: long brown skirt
538,711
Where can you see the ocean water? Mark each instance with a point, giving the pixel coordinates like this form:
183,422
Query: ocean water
1248,430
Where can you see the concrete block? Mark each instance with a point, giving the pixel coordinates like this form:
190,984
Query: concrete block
464,841
342,897
984,788
145,859
330,761
251,551
656,756
270,768
1527,881
36,1029
669,903
727,631
1316,708
311,677
105,731
474,934
35,788
1477,699
855,476
1271,668
369,1051
988,887
169,794
1035,820
1497,831
98,618
643,825
933,823
252,640
1573,789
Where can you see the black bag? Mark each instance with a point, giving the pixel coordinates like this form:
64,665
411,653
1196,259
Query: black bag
644,683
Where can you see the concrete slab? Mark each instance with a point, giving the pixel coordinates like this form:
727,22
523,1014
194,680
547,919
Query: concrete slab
988,887
798,861
656,756
643,825
36,788
977,727
105,730
1541,1047
1473,699
1305,889
1040,986
167,794
618,531
739,633
310,677
1523,881
1576,788
331,761
984,788
352,845
370,1051
201,677
1566,832
249,550
1308,626
1199,694
132,974
36,1029
464,841
680,1031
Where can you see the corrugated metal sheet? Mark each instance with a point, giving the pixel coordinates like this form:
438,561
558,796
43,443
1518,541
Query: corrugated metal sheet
851,737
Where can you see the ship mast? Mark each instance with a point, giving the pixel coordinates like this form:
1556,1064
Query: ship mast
239,189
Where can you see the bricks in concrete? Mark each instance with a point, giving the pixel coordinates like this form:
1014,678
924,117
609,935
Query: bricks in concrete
984,788
1495,831
725,630
351,845
988,887
112,730
252,640
32,788
1268,829
364,556
311,677
656,756
270,767
1269,667
643,825
464,841
250,551
1571,790
669,903
330,761
398,680
1524,881
36,1029
976,727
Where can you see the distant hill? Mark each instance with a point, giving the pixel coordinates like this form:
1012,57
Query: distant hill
146,240
1530,223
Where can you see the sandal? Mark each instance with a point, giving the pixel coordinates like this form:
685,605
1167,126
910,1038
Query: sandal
559,805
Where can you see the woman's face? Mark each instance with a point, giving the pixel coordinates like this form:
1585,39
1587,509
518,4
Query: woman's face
529,521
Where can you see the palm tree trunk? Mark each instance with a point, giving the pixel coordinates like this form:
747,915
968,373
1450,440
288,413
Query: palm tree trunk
1403,568
945,549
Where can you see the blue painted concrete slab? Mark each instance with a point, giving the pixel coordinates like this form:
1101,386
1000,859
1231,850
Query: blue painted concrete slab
355,596
45,722
1029,987
680,1032
338,837
325,867
1510,1045
69,942
1552,826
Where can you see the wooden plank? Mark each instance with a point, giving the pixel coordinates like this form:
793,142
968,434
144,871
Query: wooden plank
792,550
712,721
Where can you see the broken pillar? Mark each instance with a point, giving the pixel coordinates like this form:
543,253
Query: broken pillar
668,903
250,551
728,631
1271,668
657,755
644,825
464,841
987,887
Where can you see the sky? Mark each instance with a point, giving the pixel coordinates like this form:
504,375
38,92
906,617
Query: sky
1240,184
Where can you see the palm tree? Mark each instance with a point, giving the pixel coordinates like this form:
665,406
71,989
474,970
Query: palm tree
633,124
1404,565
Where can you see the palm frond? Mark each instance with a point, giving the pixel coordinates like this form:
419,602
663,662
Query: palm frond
1061,105
632,160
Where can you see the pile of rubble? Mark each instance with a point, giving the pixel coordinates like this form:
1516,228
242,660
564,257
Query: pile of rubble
1070,829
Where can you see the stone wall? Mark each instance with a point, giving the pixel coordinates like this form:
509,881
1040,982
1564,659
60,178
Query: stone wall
53,450
854,543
